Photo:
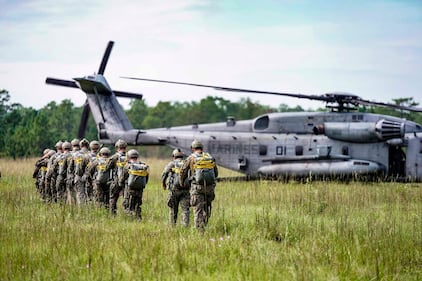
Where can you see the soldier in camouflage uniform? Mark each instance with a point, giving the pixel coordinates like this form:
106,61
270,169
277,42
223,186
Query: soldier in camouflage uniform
40,172
116,164
60,165
70,177
177,194
92,155
201,193
50,179
101,177
134,178
77,168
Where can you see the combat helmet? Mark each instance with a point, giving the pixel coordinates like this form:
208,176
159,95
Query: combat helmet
105,151
177,153
120,144
75,142
84,143
51,153
196,144
66,145
59,145
133,153
94,145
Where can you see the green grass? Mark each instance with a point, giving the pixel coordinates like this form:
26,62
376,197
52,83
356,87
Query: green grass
259,230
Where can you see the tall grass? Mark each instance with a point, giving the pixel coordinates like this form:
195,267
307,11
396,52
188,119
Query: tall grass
259,230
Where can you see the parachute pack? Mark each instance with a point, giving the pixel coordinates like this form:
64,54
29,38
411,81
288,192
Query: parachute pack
138,173
103,175
204,169
175,180
78,159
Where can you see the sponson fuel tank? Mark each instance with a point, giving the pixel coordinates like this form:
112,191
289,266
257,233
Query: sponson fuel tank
318,168
363,132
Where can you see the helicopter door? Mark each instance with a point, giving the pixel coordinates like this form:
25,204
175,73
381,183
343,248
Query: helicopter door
396,161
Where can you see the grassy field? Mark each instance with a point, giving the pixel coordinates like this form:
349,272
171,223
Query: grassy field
259,230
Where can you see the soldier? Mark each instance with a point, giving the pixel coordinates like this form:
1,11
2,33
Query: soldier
200,169
60,165
134,177
50,179
70,177
177,193
76,169
101,177
40,171
92,155
116,164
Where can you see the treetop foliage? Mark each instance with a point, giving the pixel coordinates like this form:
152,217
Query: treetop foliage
26,132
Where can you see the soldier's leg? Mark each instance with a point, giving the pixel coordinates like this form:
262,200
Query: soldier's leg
171,203
138,204
115,189
198,203
71,192
126,196
209,197
185,206
81,196
60,189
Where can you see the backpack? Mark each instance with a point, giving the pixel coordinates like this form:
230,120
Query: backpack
138,173
78,159
175,175
103,175
204,169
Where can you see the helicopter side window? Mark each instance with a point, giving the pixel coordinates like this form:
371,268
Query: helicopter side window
279,150
262,123
299,150
262,150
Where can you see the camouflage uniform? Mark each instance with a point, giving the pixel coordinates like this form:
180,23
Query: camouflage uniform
59,168
77,170
134,193
92,156
50,178
40,172
177,194
116,164
201,196
71,188
96,170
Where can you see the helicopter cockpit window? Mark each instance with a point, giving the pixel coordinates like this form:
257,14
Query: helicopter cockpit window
262,123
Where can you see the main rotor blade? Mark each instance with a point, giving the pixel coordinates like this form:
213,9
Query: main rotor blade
60,82
105,57
84,120
229,89
389,105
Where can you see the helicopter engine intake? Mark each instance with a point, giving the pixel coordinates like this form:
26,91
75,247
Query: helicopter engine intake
363,132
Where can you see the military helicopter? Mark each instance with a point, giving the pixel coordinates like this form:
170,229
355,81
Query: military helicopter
341,142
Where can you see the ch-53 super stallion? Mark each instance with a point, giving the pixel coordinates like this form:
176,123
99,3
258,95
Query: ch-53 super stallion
341,142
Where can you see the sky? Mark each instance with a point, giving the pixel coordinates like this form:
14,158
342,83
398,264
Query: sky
372,49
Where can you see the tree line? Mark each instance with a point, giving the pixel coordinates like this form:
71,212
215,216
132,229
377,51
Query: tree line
26,132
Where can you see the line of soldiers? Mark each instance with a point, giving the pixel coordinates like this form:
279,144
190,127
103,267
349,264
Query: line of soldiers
79,172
